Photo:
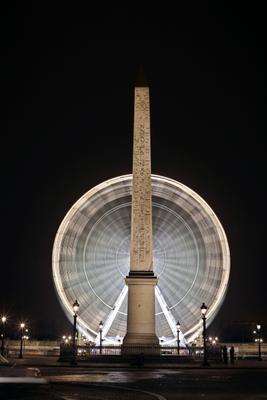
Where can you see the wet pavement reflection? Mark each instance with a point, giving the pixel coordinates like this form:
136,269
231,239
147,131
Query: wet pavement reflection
111,377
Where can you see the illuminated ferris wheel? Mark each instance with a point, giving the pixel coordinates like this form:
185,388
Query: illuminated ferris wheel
91,258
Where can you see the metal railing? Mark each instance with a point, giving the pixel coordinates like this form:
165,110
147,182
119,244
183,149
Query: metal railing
87,351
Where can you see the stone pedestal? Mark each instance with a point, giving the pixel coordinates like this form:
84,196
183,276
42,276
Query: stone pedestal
141,336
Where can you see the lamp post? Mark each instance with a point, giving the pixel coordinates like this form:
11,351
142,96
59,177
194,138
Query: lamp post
259,341
74,350
22,326
100,336
205,356
178,326
3,320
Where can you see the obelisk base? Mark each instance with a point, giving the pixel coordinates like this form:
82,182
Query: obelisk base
141,336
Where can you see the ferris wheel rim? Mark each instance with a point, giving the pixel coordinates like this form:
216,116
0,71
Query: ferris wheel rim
63,226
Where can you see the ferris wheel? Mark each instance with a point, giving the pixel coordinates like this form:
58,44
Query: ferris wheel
91,258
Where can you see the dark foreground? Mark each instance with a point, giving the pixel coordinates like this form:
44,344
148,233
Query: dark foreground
247,380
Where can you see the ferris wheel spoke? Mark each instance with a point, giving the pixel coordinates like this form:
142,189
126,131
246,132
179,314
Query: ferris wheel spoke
113,313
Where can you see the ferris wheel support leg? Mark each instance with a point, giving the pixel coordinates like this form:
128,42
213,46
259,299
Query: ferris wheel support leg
112,315
169,317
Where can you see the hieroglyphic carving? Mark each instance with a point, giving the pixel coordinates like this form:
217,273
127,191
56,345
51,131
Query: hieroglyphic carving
141,225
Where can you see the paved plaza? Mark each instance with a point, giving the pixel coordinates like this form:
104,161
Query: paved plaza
44,378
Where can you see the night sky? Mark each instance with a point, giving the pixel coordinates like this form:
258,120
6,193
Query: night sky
67,114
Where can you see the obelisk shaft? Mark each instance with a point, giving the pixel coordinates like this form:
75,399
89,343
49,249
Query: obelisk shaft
141,223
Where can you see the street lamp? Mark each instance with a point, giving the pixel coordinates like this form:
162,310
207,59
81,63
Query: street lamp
178,326
203,314
75,311
259,341
22,326
100,335
3,320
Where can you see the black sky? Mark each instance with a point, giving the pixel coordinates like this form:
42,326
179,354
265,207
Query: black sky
67,79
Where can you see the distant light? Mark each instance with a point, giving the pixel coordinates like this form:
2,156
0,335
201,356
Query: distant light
258,327
22,325
254,332
214,342
216,338
210,338
64,337
69,337
3,319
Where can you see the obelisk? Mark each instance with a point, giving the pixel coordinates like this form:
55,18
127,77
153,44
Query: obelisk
141,280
